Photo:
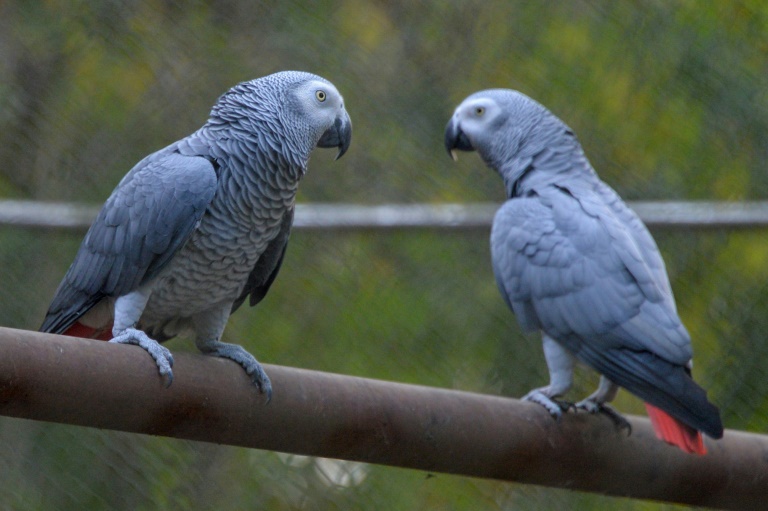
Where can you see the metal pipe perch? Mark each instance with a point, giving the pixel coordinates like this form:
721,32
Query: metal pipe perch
97,384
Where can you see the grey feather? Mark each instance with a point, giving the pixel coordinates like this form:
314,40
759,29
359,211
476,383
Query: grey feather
122,249
571,259
264,273
197,227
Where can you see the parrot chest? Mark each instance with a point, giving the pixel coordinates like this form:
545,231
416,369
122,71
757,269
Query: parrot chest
210,270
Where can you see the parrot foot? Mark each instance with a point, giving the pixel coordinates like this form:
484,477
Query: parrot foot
250,364
553,406
160,354
591,406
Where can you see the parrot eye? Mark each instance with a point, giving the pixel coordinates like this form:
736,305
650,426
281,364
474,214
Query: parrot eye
320,95
479,111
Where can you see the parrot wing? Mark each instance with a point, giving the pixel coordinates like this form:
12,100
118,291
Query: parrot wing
148,217
569,267
264,273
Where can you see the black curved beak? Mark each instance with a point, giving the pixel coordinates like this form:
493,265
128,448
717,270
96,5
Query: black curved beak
339,135
455,139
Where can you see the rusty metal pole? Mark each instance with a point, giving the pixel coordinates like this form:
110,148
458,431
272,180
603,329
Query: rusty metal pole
96,384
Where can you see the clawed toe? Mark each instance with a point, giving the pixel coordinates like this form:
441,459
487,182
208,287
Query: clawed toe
261,380
246,360
167,377
594,407
161,355
553,406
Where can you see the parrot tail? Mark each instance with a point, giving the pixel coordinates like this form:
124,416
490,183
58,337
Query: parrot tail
674,432
88,332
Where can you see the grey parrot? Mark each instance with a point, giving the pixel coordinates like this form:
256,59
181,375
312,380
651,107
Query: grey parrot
574,262
196,228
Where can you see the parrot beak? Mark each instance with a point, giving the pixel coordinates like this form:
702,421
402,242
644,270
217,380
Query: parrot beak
339,135
455,139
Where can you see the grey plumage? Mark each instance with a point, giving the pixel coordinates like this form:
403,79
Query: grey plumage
198,227
573,261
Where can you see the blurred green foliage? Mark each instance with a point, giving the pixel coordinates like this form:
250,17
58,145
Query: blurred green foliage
669,99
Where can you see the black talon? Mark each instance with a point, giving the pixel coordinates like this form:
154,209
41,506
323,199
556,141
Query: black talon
565,405
618,420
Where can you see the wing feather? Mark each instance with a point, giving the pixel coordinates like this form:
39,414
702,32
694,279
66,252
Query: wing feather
267,267
577,271
148,217
584,277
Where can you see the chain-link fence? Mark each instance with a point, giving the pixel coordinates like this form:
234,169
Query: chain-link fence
668,99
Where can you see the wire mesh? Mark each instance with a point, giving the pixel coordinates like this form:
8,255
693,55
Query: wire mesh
668,99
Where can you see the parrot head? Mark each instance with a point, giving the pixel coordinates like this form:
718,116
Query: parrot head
321,107
297,112
495,123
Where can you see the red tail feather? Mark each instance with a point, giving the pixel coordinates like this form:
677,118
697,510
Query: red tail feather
674,432
80,330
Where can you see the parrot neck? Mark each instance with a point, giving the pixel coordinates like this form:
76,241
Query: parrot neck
515,174
260,144
552,163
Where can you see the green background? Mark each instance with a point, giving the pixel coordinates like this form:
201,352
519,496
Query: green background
669,100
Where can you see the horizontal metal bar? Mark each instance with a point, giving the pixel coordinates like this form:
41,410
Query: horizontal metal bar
672,215
46,215
394,216
703,214
97,384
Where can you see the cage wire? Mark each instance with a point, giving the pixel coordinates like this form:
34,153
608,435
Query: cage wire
668,99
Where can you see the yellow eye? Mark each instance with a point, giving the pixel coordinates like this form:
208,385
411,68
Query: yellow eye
320,95
479,111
